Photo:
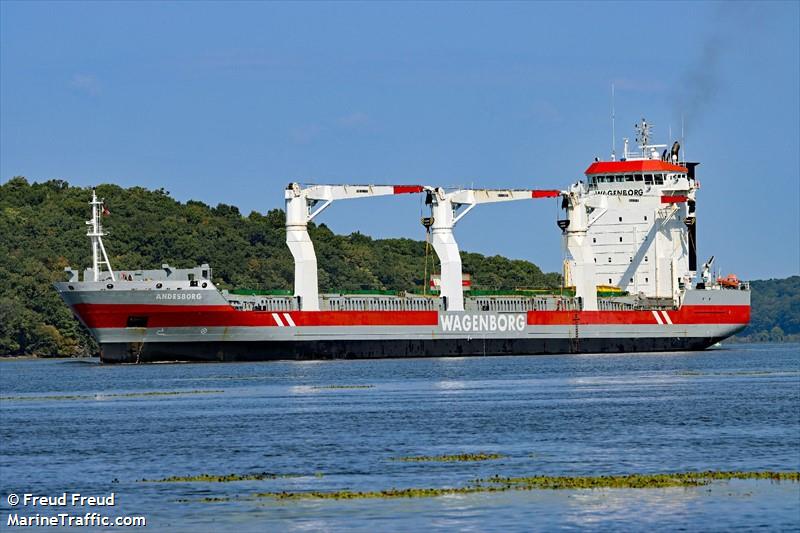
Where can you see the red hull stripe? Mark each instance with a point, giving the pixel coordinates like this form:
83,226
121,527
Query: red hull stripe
644,165
673,199
163,316
404,189
688,314
545,194
173,316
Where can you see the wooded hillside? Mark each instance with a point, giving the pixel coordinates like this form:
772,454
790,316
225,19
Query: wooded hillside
775,315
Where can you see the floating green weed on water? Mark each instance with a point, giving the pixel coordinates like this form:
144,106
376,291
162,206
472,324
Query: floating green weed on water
329,387
228,478
757,373
383,494
103,396
695,373
635,481
502,484
462,457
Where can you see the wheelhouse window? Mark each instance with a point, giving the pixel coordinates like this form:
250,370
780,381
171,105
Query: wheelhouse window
648,179
638,177
659,179
628,177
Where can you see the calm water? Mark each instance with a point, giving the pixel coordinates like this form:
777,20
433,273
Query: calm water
735,408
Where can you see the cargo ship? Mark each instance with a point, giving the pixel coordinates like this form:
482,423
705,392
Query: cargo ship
630,283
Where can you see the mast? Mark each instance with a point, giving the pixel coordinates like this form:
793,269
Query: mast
613,127
95,233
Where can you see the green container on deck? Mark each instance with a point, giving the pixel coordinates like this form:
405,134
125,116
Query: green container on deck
251,292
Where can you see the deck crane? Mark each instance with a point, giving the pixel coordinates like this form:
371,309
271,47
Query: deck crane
582,211
706,275
446,211
299,204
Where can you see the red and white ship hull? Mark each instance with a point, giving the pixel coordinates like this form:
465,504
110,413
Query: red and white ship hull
132,327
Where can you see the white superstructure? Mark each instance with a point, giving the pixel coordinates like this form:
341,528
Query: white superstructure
632,224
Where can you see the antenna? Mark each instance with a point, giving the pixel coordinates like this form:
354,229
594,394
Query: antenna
643,131
683,140
613,127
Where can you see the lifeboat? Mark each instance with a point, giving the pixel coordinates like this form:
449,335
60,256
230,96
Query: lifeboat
730,281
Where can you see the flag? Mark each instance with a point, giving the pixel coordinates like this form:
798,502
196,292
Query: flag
106,212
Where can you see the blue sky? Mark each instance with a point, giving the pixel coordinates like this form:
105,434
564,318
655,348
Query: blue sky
228,102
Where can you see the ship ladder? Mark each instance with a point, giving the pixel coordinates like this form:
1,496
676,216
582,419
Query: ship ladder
575,341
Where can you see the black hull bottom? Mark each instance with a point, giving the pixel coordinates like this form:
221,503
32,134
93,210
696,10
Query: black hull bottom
379,349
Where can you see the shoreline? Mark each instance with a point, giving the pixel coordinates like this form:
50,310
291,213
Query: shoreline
26,357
